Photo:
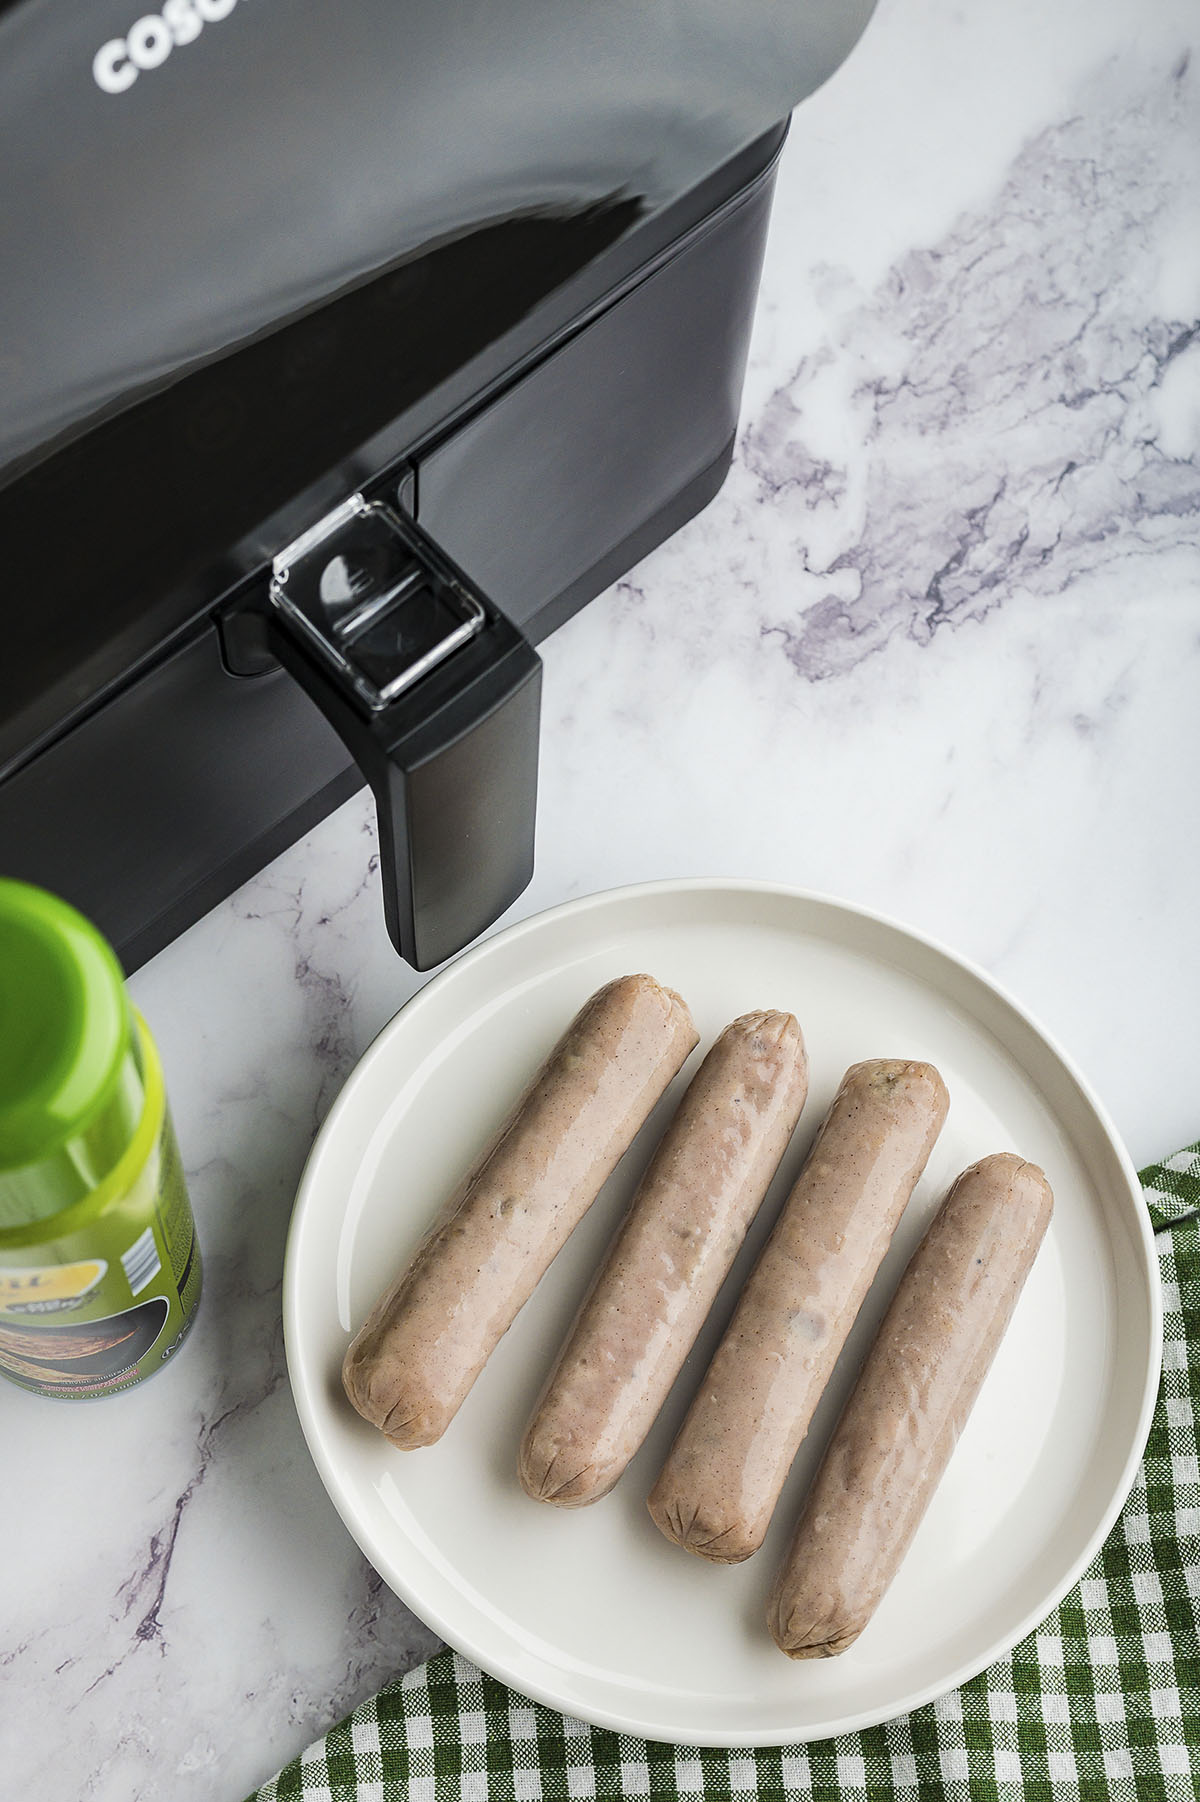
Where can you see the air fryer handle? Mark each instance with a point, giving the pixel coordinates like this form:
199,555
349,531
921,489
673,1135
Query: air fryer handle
451,759
455,785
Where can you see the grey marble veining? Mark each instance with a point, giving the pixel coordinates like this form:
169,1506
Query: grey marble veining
987,422
934,648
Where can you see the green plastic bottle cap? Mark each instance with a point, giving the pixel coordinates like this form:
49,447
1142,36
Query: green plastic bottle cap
70,1082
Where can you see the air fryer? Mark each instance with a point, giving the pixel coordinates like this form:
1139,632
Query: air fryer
345,352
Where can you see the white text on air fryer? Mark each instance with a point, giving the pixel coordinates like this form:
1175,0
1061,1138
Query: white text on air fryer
151,39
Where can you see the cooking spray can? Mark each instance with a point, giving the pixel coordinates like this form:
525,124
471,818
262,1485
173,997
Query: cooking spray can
99,1266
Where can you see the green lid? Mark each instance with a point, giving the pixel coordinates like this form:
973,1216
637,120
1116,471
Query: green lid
71,1090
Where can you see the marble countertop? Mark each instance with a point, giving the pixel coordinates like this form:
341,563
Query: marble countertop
935,648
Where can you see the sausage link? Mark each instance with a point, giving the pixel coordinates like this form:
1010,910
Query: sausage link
911,1402
718,1488
413,1362
671,1254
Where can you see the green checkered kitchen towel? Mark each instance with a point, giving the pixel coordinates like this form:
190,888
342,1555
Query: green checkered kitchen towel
1102,1701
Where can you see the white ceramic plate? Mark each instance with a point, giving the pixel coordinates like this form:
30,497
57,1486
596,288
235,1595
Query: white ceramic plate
592,1610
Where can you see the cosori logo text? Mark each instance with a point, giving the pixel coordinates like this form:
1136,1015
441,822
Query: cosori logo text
150,41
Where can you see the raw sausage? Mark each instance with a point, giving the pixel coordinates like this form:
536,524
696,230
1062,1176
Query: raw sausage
671,1254
910,1404
722,1477
427,1339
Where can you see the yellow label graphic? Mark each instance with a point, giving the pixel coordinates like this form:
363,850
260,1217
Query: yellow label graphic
25,1289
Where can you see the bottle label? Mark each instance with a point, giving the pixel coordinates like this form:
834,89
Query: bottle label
99,1309
48,1288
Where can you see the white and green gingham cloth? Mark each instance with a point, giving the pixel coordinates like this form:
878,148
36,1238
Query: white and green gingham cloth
1100,1704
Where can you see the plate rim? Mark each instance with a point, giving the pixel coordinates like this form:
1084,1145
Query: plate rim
611,1719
